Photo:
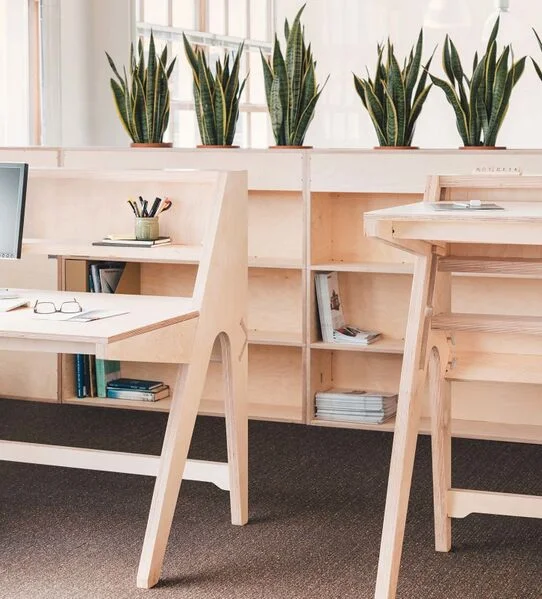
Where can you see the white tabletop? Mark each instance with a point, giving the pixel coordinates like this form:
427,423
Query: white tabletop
145,313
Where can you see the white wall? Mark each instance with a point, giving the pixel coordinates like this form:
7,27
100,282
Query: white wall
78,104
344,34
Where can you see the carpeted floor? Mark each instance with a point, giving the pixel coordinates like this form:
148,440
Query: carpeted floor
316,506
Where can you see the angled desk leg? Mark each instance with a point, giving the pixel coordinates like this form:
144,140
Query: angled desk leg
441,445
406,426
235,370
180,426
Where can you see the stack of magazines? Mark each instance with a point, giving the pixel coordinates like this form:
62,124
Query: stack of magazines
137,389
352,405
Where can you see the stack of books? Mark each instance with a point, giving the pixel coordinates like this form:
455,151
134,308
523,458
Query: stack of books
137,389
332,322
352,405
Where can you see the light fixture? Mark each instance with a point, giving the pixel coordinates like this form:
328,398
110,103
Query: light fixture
510,27
447,14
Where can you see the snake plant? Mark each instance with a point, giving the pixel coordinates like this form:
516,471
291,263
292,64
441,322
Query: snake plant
290,85
480,102
394,97
535,64
142,97
217,96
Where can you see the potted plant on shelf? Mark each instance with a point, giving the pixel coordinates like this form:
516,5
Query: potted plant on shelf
480,102
216,97
392,98
142,97
290,86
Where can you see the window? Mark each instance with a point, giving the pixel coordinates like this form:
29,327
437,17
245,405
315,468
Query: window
19,98
220,26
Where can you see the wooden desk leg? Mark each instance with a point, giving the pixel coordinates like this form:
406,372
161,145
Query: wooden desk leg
441,448
180,426
235,367
406,427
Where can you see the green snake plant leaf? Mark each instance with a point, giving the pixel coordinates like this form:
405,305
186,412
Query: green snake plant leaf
415,113
397,94
535,64
276,113
451,96
119,96
267,76
474,126
220,113
447,60
392,121
377,114
294,68
305,118
413,68
489,79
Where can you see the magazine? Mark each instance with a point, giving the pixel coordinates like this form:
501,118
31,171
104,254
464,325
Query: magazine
332,322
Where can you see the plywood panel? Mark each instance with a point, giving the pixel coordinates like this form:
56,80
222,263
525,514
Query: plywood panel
275,225
337,228
275,382
29,272
366,371
106,199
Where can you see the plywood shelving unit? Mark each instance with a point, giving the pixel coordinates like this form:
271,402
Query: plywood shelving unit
305,216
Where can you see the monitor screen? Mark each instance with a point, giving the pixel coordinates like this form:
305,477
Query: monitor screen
13,177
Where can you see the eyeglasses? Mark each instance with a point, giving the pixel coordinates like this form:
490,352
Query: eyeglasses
68,307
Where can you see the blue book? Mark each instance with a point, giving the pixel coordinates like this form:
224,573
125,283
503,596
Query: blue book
80,382
134,384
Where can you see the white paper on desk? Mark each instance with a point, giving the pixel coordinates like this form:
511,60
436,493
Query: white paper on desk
85,316
89,315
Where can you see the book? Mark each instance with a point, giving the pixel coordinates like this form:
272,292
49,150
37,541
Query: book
332,322
133,242
138,395
80,383
135,384
106,372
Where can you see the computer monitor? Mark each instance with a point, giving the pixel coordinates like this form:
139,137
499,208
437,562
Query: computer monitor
13,178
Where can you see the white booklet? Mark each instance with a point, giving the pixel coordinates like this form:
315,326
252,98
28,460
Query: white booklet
85,316
332,323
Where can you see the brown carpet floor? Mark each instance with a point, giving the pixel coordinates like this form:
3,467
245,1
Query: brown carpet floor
316,507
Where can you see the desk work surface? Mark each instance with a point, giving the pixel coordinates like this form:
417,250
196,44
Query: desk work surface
145,313
519,223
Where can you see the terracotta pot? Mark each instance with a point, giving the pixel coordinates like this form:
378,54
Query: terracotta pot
396,148
482,147
290,147
213,146
162,144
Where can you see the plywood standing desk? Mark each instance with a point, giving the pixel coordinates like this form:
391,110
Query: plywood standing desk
162,326
494,243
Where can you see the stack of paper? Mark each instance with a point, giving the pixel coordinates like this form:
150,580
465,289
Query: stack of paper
352,405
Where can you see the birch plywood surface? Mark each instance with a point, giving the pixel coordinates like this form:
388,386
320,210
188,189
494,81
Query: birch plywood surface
144,314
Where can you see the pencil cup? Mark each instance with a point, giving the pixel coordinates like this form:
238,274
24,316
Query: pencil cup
146,229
